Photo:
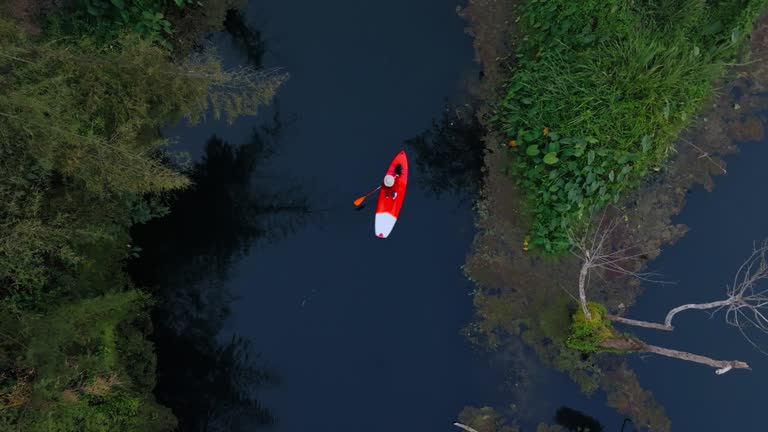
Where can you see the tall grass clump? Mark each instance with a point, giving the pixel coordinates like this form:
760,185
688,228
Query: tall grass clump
599,93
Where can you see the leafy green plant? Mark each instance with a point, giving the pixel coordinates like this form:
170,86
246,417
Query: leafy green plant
144,17
586,335
616,82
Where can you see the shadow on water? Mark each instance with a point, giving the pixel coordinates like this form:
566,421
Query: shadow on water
577,421
186,260
244,37
450,154
248,40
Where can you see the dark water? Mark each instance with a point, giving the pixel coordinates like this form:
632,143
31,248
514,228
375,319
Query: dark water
281,308
353,332
723,224
364,333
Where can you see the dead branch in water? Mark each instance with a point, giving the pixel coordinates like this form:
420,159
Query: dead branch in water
704,154
634,344
638,323
465,427
746,304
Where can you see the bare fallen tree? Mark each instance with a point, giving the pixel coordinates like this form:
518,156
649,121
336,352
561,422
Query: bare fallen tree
636,345
745,305
465,427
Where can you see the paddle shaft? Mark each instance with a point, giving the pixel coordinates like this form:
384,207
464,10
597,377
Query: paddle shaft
362,198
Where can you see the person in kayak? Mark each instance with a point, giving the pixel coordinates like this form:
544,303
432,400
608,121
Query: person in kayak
389,181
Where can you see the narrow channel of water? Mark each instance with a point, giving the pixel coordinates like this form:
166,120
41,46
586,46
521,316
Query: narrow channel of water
354,332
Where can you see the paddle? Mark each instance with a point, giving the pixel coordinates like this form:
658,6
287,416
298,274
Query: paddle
360,200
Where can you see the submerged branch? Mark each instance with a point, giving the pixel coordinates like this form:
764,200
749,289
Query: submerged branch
704,154
465,427
634,344
638,323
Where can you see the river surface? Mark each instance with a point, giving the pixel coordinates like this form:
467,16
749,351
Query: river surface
361,333
355,333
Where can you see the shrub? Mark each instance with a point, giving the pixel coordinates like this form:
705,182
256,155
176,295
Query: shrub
586,335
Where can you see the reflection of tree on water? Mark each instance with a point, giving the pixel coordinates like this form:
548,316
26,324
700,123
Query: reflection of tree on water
209,386
186,258
627,424
247,39
487,419
577,421
450,155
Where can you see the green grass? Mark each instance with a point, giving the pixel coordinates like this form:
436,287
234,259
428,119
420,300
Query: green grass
600,92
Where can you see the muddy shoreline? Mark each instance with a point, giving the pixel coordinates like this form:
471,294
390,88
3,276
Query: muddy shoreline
515,288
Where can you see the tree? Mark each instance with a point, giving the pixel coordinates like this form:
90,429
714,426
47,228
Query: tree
80,155
81,160
592,251
69,370
89,112
745,303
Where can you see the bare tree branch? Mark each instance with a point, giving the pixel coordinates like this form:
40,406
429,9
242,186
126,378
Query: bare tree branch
704,154
711,305
592,250
638,323
746,305
465,427
634,344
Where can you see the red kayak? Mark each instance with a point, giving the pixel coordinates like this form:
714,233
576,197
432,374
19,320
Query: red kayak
391,195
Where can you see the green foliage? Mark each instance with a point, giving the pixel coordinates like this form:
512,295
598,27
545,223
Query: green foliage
586,335
601,91
137,354
79,156
84,331
107,18
80,163
87,112
71,365
116,411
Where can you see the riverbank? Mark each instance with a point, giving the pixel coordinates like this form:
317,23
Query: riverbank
525,296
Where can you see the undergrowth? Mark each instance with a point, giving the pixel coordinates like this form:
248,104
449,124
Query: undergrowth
601,90
586,335
105,19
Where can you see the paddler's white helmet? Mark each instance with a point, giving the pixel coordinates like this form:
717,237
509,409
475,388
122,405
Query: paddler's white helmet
389,180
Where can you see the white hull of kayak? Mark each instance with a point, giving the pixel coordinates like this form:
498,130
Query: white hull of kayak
384,224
